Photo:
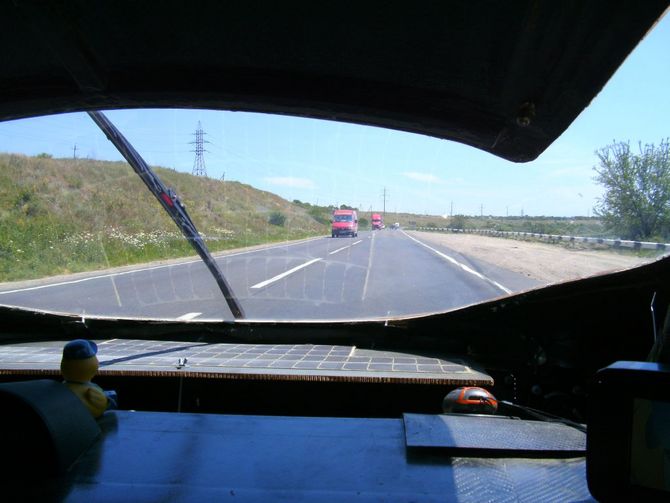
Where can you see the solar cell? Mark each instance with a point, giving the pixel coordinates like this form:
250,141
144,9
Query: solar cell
225,360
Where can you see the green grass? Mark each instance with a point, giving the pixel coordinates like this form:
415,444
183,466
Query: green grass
60,216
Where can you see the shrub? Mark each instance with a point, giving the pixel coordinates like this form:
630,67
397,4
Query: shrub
276,218
458,222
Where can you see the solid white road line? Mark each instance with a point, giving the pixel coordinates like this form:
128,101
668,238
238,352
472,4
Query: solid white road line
188,316
462,266
144,269
284,274
91,278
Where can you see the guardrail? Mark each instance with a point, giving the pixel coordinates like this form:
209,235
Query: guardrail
615,243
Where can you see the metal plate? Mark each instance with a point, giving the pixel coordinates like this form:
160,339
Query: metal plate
477,435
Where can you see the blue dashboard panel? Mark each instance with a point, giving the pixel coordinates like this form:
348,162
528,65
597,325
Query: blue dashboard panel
154,456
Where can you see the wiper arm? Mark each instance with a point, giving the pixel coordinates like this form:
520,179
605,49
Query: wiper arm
542,416
170,203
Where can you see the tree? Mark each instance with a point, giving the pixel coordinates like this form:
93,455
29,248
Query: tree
636,203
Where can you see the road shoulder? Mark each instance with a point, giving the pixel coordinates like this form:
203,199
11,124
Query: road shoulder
542,262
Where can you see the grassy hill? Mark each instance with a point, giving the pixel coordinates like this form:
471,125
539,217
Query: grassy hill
62,215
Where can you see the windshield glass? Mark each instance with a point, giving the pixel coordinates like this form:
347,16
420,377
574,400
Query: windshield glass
80,233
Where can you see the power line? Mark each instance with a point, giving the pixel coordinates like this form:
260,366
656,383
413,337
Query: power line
384,197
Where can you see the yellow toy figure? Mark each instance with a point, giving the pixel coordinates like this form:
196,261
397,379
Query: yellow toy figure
78,366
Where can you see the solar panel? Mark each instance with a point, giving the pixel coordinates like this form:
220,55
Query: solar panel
257,361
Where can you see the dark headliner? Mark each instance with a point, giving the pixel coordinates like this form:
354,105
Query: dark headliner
474,72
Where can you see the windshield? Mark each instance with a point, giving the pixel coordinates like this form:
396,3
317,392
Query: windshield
80,233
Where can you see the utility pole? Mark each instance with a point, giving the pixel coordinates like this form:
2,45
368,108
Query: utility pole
199,168
481,210
223,185
451,211
74,151
384,197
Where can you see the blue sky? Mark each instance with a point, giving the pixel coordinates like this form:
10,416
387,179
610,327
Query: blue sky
334,163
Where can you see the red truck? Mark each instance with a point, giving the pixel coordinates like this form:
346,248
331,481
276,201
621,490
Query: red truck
345,223
377,222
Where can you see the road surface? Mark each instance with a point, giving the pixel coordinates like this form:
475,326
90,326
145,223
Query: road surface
380,274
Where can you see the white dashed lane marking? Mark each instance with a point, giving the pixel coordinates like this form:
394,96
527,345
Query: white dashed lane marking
284,274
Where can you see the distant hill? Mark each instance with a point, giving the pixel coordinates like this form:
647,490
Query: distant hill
65,215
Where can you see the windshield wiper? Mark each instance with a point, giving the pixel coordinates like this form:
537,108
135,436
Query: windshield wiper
170,203
542,416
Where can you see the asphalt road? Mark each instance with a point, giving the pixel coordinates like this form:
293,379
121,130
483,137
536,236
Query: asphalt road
379,274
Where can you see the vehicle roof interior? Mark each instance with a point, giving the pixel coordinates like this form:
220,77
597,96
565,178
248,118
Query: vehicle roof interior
504,77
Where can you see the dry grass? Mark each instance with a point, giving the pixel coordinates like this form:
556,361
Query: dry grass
62,215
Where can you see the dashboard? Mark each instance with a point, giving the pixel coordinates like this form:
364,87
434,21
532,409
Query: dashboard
202,421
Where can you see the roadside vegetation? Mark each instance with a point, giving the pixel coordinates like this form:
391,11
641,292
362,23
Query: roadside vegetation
636,203
572,226
59,216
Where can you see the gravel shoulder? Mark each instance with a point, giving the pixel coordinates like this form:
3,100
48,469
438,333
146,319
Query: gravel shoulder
543,262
